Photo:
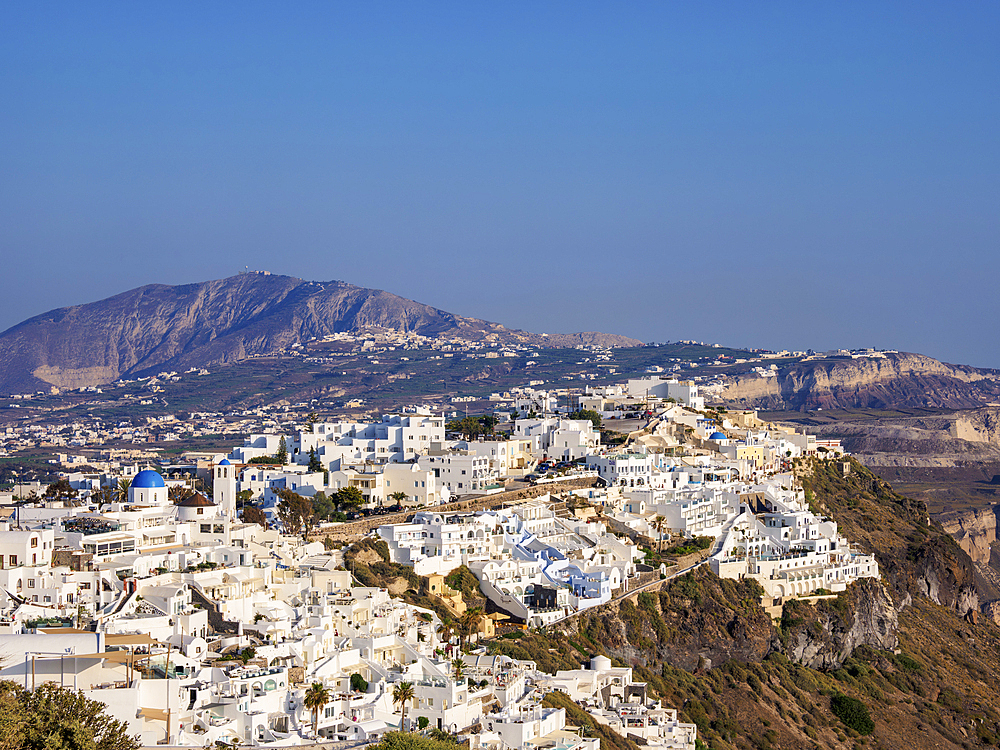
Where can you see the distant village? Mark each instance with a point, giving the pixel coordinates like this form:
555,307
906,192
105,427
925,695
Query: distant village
211,598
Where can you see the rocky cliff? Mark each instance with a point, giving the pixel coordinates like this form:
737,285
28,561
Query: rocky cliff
157,327
975,531
898,380
826,634
916,556
942,440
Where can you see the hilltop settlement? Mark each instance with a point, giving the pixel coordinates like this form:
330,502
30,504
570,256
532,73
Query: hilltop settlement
337,580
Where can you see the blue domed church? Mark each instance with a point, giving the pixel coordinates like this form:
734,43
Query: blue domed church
148,489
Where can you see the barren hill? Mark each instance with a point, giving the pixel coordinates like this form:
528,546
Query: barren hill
157,327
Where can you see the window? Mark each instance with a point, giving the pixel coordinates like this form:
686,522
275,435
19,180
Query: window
31,583
13,559
201,511
34,541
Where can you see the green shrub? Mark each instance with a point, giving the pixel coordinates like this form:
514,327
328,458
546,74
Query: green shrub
907,663
853,713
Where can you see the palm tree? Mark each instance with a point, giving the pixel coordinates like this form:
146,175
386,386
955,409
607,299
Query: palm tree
121,490
658,523
317,696
402,693
399,497
459,664
468,624
446,630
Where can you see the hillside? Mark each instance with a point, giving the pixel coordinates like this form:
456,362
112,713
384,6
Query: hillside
897,381
912,650
158,327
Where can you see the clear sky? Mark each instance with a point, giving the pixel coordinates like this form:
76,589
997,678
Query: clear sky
797,174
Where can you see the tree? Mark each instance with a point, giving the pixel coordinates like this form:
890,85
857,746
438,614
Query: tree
61,490
590,414
468,624
55,718
853,713
423,722
470,427
121,490
323,506
446,631
658,523
402,693
243,497
399,497
349,497
359,683
311,421
458,664
317,696
295,512
314,463
253,514
437,740
103,496
177,493
282,454
489,423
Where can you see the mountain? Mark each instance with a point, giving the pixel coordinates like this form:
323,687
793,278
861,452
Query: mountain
898,380
159,327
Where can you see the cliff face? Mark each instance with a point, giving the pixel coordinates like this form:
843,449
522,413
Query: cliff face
898,380
975,531
161,327
954,439
916,556
698,620
825,635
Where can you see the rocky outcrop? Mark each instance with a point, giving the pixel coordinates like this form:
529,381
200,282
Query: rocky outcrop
697,621
157,327
974,530
824,635
895,381
944,574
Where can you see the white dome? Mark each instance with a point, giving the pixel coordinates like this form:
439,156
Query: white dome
600,662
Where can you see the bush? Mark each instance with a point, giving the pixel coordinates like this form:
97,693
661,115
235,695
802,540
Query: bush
359,684
853,713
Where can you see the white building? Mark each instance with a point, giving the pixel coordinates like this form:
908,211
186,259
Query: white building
558,438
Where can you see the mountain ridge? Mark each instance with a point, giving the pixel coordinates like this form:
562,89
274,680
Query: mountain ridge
158,326
897,380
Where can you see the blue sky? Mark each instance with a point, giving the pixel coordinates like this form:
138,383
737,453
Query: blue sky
756,174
